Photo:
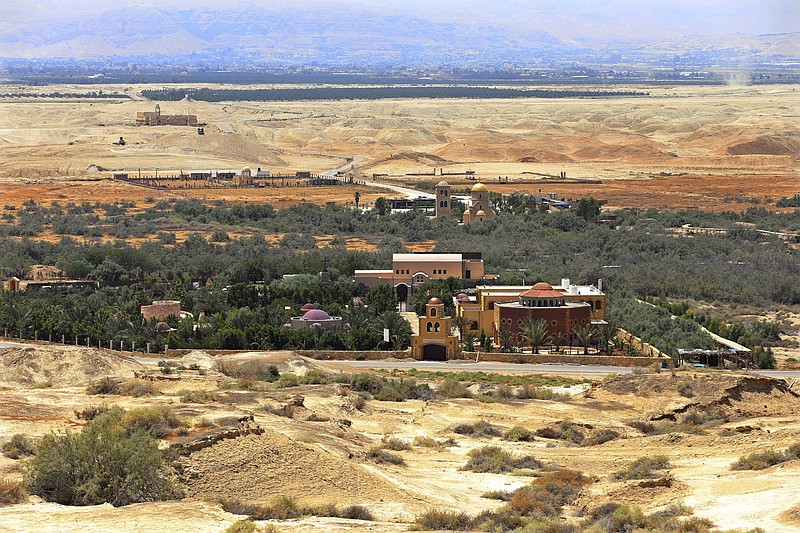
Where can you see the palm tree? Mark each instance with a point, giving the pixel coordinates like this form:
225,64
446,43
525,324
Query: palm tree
607,333
558,339
399,328
358,316
460,322
506,340
535,331
357,198
585,334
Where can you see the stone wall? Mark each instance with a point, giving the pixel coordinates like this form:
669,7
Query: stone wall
565,359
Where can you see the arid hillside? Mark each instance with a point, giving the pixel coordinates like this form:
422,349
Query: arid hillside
657,441
679,147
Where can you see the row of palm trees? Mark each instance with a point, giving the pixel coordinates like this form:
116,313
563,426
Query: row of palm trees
535,331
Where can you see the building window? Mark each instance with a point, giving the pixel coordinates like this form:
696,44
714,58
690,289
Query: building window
396,271
597,305
436,327
433,311
445,271
491,305
429,327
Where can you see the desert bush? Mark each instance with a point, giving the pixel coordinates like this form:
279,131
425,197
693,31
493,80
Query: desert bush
518,434
242,526
504,391
495,460
438,444
395,444
502,495
480,428
600,436
379,455
760,460
530,392
452,388
91,412
137,388
105,462
104,385
12,492
564,430
643,467
289,379
158,421
546,495
382,389
18,446
642,425
685,389
197,396
436,519
356,512
503,519
255,369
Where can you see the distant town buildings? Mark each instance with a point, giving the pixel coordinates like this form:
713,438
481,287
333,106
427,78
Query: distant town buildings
155,118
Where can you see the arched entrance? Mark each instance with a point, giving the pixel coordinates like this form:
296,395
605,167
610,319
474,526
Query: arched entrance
402,292
434,352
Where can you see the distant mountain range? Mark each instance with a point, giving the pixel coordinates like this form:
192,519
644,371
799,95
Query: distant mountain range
329,34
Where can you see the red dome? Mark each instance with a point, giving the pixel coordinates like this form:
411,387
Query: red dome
434,301
316,314
462,296
542,286
542,290
162,326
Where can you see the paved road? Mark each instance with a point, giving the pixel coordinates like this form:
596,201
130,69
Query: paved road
405,191
9,344
492,367
344,168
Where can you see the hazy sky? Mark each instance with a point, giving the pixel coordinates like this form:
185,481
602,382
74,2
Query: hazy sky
566,19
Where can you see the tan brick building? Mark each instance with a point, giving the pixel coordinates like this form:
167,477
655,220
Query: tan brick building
435,341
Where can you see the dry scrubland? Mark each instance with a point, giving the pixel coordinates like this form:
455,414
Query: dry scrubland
683,147
317,443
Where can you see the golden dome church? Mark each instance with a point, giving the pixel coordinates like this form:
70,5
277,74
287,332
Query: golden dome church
481,208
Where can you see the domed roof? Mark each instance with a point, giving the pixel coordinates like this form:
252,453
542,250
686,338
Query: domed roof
434,301
542,286
462,296
308,307
479,187
542,290
162,326
245,169
442,184
316,314
480,213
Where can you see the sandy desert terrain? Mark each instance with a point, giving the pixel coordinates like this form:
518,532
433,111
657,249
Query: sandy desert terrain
316,456
680,147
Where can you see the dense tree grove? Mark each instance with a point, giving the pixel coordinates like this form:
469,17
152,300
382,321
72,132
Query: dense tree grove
234,285
372,93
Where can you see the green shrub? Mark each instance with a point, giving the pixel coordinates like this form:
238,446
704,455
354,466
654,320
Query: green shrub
381,456
643,467
438,444
12,492
495,460
502,495
105,462
138,388
197,396
158,421
19,446
530,392
255,369
312,377
481,428
643,426
452,388
435,519
104,385
518,434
